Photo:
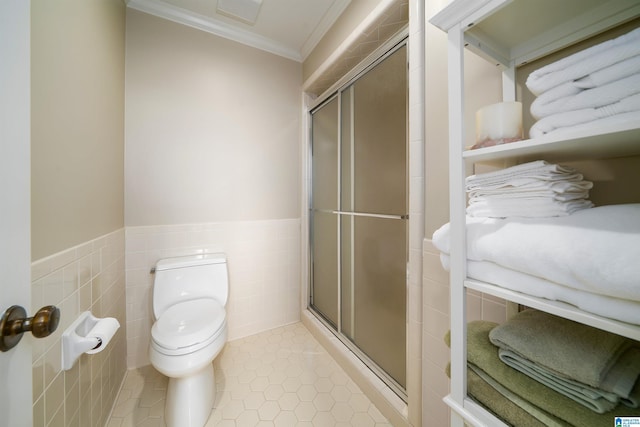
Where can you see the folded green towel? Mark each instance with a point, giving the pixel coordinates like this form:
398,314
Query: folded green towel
484,355
487,396
591,398
566,349
535,415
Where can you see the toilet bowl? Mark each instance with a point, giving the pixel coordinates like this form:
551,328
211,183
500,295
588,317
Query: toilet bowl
190,330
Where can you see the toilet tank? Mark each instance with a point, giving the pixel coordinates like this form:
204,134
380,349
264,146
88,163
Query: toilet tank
189,277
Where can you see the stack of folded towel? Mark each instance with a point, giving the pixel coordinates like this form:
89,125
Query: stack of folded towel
534,190
595,86
523,401
593,367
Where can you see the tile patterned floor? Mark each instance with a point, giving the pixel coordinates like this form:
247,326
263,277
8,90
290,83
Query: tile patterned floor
282,377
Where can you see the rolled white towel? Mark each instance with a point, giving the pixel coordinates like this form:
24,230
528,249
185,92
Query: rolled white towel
584,62
570,119
610,74
619,120
591,98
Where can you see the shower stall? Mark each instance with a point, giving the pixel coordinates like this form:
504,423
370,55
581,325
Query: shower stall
358,215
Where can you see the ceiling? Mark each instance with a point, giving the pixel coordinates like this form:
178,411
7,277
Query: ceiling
289,28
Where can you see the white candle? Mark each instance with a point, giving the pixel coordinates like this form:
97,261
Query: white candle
498,124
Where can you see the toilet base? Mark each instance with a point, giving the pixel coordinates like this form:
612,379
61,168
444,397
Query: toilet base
190,399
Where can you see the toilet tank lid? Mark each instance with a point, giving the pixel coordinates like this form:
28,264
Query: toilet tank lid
190,261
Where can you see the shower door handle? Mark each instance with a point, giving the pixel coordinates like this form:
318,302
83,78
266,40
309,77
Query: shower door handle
371,215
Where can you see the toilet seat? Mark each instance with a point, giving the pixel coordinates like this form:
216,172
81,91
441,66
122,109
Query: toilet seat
188,326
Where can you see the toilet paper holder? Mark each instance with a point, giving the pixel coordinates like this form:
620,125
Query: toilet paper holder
78,337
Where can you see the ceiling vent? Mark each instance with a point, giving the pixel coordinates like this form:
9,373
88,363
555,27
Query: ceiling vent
242,10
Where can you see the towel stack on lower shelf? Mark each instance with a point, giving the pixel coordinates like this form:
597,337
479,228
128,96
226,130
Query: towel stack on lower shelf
593,367
596,86
521,399
531,190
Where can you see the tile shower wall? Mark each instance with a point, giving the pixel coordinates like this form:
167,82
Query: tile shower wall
436,324
90,277
264,274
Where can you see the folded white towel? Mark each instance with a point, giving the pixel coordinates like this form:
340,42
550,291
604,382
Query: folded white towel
602,305
624,120
530,186
584,62
523,173
554,122
614,72
610,74
590,98
529,195
594,250
526,207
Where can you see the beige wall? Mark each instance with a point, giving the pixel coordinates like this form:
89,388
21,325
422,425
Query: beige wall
212,128
77,174
352,16
77,122
483,86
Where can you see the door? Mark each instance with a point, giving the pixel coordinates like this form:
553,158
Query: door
324,224
15,247
374,207
358,215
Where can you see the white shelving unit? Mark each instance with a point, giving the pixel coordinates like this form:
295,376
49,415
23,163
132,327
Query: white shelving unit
510,33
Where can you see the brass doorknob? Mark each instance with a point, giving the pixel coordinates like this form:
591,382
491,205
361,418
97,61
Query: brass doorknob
14,323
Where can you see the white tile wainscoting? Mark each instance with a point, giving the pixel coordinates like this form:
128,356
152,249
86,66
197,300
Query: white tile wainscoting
89,276
264,274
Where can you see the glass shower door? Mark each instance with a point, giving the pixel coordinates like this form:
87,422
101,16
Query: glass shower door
324,223
359,215
374,207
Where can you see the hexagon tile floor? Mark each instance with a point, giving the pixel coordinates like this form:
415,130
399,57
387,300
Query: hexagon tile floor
281,378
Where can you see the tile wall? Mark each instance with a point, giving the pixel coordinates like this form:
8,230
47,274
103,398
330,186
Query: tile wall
436,324
90,277
416,211
264,274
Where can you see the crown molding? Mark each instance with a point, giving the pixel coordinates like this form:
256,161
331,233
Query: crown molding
201,22
347,43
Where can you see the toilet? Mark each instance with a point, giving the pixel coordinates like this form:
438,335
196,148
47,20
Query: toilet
190,330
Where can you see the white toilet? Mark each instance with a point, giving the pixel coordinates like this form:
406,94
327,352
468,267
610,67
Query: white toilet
190,329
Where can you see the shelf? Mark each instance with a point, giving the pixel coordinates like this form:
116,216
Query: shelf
557,308
513,32
473,413
508,34
605,142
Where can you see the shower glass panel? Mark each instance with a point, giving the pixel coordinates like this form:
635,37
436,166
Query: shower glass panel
324,225
374,206
358,215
